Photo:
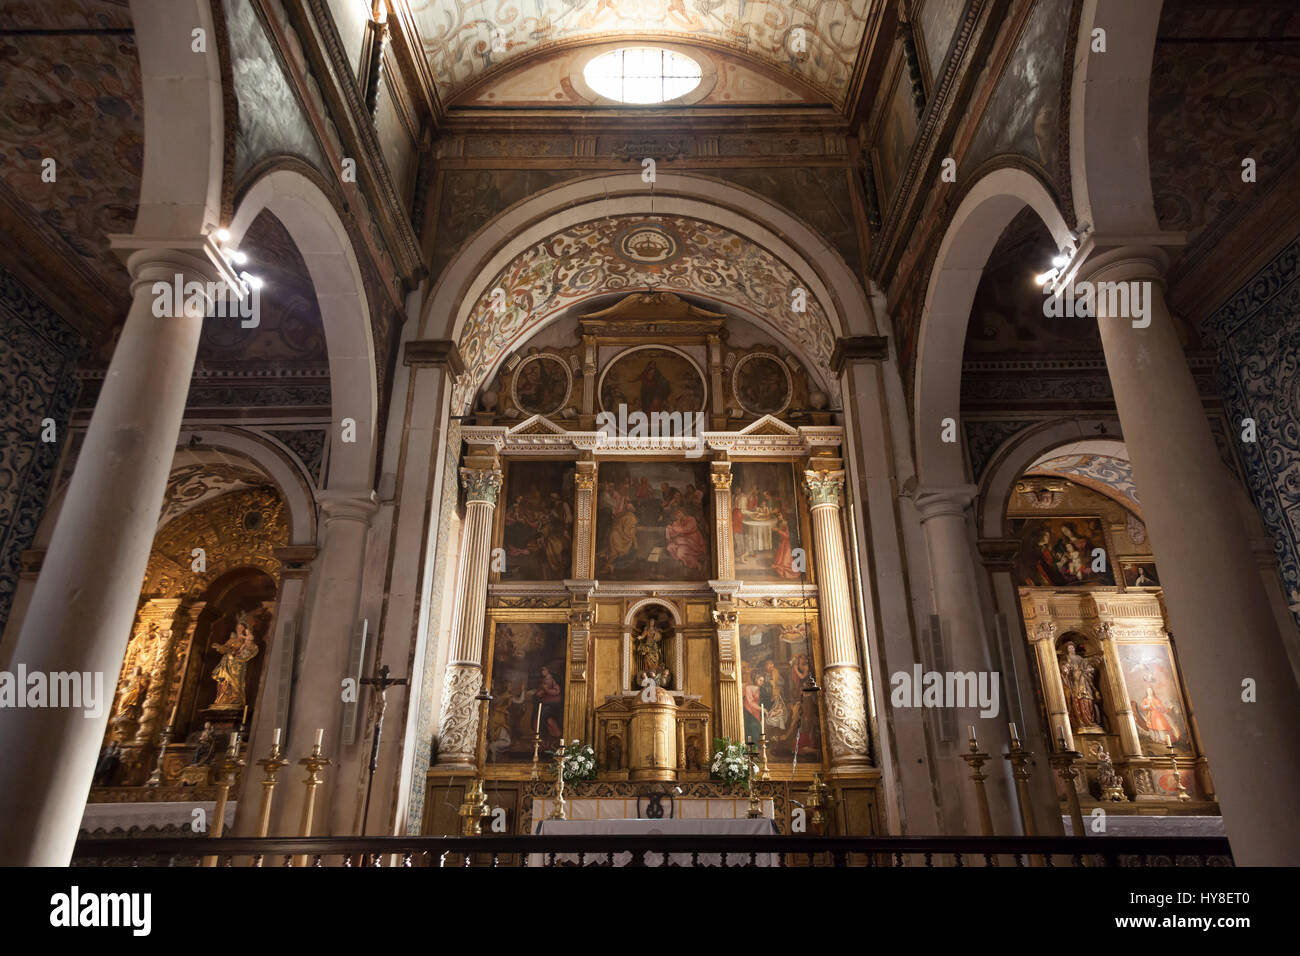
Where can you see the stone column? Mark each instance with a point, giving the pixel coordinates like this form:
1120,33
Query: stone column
325,642
845,695
458,715
85,599
956,590
1217,603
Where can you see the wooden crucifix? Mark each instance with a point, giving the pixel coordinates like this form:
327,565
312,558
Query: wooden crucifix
381,682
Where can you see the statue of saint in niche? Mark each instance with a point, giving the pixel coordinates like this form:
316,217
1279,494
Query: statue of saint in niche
649,649
232,669
133,694
1079,677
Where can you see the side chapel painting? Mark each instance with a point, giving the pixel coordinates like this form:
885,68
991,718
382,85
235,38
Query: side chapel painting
528,670
1154,697
652,522
538,522
765,523
1059,552
652,380
774,660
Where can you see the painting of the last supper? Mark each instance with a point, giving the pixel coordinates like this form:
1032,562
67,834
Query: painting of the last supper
652,522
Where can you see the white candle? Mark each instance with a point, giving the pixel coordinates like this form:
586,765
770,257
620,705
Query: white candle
275,741
320,735
539,719
1015,737
972,731
762,718
234,742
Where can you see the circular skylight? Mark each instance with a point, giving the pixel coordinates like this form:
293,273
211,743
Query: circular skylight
642,75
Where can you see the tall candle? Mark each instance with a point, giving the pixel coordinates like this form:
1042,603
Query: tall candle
1015,737
320,735
762,718
972,731
538,731
275,741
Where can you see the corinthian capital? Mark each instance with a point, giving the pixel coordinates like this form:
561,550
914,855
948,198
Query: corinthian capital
824,487
481,484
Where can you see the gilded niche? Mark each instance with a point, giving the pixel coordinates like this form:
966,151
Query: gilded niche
240,529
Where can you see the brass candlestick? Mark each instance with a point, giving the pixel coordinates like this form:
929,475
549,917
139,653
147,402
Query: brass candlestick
763,772
559,811
976,759
227,773
475,808
1018,757
272,764
315,762
155,778
817,800
1183,795
755,810
1063,760
537,749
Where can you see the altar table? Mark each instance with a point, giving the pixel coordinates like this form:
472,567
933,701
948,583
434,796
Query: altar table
744,826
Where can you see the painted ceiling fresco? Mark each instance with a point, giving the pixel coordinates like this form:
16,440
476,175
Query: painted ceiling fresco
633,253
1214,101
465,39
74,98
1104,473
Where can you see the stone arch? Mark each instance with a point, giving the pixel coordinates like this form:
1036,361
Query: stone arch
321,237
466,282
1110,175
1021,450
987,209
630,617
184,134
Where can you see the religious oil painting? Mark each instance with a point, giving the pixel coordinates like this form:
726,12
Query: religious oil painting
762,384
652,380
652,522
774,661
528,669
766,534
541,385
537,536
1154,697
1063,552
1140,574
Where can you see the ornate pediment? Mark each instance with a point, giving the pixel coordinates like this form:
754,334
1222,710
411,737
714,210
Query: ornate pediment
536,425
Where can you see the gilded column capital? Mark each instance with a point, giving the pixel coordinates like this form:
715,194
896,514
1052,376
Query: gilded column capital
824,488
481,484
584,480
721,479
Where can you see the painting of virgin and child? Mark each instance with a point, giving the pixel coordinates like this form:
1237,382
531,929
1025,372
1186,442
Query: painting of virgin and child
652,522
1063,552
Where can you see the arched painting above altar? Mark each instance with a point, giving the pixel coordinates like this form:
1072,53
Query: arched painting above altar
652,379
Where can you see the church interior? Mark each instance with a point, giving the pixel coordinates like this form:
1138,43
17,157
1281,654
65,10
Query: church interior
439,420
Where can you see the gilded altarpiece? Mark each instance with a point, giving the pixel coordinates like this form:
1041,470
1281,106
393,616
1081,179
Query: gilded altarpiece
1107,663
196,651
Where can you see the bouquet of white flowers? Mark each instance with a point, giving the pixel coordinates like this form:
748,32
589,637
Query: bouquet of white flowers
731,762
579,762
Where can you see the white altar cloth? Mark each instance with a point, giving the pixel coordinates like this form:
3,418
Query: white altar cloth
744,826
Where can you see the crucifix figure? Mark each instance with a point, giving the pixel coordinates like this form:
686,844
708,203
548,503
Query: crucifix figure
381,682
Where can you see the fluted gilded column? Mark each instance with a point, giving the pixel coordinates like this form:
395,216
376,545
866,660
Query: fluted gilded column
1058,714
720,473
160,611
1114,681
729,707
584,488
845,694
458,715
